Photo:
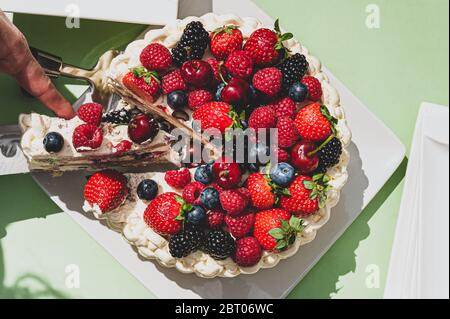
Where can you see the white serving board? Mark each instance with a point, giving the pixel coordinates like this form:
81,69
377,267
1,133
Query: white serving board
369,169
157,12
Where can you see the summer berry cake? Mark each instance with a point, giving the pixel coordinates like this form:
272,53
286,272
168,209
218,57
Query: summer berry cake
124,137
224,219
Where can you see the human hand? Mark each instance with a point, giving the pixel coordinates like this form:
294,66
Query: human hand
17,61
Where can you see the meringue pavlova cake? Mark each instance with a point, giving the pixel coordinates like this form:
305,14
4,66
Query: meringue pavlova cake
224,218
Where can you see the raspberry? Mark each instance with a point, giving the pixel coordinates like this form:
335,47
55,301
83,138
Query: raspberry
215,219
123,147
248,252
284,107
199,98
233,202
240,64
240,226
268,81
156,57
178,179
191,193
173,82
287,132
262,117
91,113
314,88
87,137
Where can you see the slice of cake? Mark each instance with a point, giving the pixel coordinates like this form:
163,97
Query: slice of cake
92,140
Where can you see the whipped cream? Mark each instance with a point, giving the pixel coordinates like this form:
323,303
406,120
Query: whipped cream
151,245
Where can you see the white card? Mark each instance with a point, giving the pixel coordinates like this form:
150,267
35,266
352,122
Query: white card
158,12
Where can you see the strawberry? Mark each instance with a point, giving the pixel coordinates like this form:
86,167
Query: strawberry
199,98
314,88
143,83
268,81
314,123
91,113
240,64
87,137
240,226
276,230
287,132
178,179
173,82
226,40
165,213
248,252
266,46
218,70
261,193
156,57
307,195
215,218
215,115
233,202
262,117
284,107
191,193
123,147
106,189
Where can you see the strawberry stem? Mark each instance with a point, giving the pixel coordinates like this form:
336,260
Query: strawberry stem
325,143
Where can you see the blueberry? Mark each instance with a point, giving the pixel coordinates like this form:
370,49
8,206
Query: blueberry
196,216
298,92
147,189
203,174
282,174
177,99
244,124
218,94
53,142
210,198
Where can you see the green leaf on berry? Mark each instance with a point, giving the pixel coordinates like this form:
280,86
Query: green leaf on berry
179,200
281,245
309,185
277,233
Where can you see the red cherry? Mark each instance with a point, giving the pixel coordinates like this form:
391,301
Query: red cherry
227,175
196,72
142,128
302,158
236,92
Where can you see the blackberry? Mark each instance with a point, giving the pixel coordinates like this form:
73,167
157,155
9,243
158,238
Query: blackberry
219,244
186,242
193,43
122,116
293,69
330,154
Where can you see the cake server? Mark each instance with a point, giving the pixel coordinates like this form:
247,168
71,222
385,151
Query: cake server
97,77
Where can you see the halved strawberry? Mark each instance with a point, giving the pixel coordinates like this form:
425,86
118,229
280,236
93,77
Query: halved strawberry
143,83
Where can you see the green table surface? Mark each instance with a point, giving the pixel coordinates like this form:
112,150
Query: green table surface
392,69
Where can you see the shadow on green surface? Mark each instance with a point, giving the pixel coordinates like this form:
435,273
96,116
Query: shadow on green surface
338,265
28,285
